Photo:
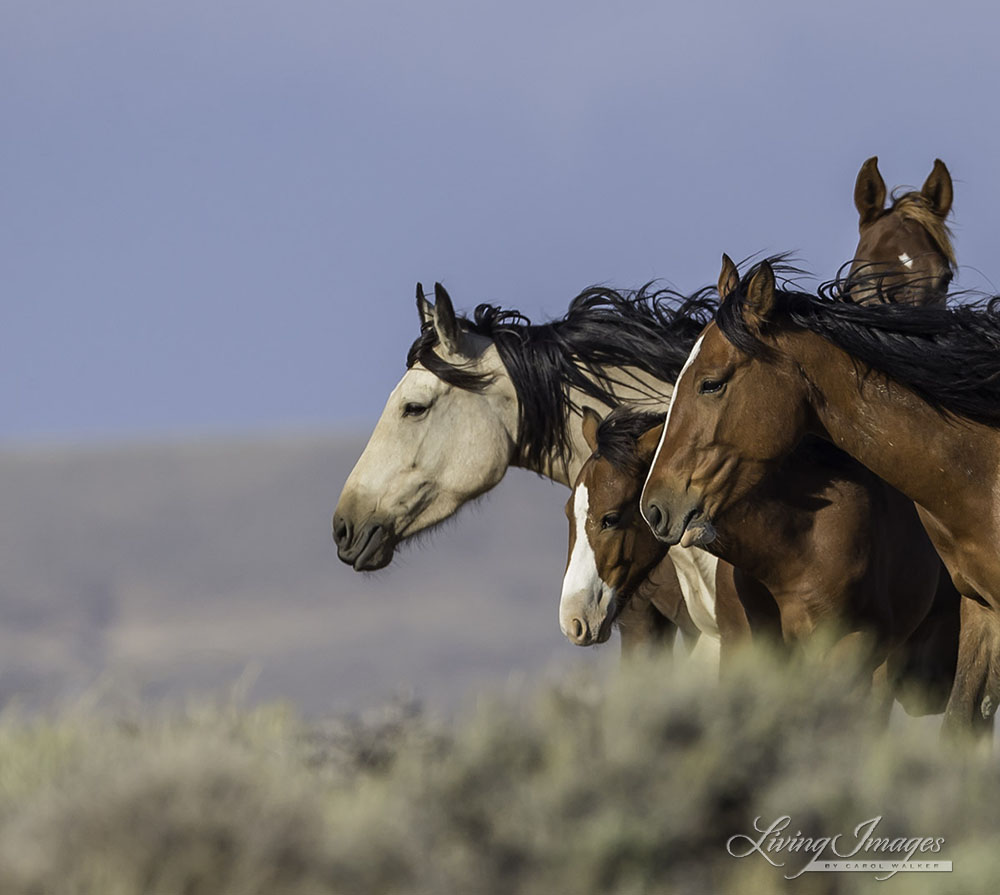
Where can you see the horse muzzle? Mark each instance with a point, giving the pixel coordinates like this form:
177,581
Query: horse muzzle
590,625
685,525
366,548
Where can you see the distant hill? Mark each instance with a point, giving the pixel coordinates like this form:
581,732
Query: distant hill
174,567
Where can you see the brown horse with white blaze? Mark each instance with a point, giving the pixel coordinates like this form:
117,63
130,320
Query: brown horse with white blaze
616,570
911,393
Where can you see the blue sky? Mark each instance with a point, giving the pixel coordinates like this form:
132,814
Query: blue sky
214,213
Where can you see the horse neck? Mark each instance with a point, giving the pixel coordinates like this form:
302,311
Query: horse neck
640,390
892,431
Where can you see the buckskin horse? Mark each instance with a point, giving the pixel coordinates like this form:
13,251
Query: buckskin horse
480,395
913,393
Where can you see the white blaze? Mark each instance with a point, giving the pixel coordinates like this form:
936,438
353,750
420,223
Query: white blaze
906,259
670,407
581,583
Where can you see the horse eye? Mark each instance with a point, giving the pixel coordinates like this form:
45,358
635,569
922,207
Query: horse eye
412,409
610,521
712,386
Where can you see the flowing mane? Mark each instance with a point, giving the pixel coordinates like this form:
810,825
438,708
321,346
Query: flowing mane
950,357
618,436
598,345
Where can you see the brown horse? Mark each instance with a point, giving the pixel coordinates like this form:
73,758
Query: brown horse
905,251
912,393
823,540
617,572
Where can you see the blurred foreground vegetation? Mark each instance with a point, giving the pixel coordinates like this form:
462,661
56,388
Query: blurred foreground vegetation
625,785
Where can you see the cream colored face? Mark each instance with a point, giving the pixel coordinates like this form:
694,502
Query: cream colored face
435,447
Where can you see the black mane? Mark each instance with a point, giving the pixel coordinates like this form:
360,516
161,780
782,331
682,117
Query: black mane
618,436
604,331
950,357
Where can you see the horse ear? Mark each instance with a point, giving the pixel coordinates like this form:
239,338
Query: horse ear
869,192
761,298
424,308
729,278
445,322
591,423
937,189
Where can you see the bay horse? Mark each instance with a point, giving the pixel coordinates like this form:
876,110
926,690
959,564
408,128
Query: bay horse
823,540
912,393
905,252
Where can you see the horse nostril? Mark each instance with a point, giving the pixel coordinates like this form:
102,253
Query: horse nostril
342,531
578,630
654,516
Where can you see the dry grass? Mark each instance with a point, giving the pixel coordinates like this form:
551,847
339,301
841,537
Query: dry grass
626,785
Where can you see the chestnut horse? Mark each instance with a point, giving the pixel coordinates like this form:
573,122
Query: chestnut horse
912,393
905,251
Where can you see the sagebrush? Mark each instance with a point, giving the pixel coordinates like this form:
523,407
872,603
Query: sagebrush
628,784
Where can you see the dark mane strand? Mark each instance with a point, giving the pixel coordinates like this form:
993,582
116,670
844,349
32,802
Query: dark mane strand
603,342
618,437
869,279
950,357
422,351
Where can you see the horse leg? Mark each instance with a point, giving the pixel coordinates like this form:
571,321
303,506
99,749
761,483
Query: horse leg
883,693
730,615
871,671
922,669
643,628
973,699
